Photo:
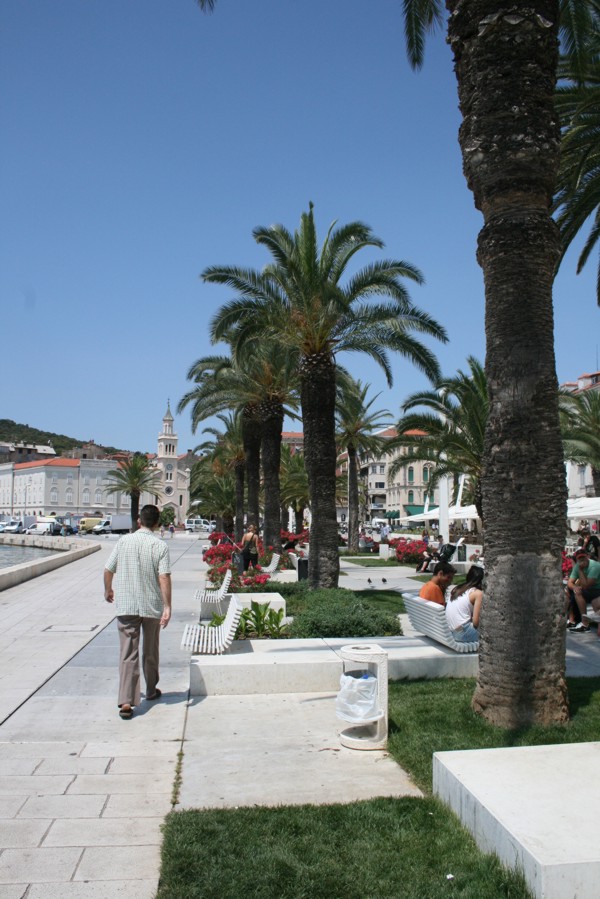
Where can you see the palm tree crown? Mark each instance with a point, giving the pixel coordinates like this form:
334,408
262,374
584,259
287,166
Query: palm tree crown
134,476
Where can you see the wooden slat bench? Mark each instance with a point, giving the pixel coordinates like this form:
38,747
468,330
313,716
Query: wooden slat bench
429,619
202,638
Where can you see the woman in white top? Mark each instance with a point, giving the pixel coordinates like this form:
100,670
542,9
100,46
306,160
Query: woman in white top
464,607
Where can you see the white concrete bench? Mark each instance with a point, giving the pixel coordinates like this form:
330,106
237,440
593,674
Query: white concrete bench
202,638
429,618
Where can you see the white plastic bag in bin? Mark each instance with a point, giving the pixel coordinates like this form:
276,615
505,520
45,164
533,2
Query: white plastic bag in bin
357,699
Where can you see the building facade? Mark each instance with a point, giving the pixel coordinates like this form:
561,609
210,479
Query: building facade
78,487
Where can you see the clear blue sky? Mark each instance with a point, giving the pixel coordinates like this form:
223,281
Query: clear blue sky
143,140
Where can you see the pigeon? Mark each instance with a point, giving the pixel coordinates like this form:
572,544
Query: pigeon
384,580
369,581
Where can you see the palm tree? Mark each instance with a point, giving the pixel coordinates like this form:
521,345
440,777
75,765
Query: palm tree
219,387
294,485
356,424
134,476
505,64
226,452
578,104
261,384
452,431
299,302
580,419
211,492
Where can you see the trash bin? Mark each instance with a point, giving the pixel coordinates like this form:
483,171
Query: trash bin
302,569
238,561
356,702
461,554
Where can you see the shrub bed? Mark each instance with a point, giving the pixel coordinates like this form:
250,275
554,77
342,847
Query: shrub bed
338,613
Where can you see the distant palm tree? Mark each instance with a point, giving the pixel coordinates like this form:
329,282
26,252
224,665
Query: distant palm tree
134,476
213,493
580,420
355,435
299,302
226,452
452,431
294,485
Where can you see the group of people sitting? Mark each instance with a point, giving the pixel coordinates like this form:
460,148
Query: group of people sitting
583,585
462,602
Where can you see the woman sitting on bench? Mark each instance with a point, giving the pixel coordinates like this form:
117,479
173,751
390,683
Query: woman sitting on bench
464,607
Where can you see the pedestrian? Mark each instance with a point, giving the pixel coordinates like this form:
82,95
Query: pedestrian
172,530
250,547
142,567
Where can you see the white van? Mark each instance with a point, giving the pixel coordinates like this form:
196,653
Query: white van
198,524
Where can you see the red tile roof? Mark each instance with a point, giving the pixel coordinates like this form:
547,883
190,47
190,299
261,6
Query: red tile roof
50,463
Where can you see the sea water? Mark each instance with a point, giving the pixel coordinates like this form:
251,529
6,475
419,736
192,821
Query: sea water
16,555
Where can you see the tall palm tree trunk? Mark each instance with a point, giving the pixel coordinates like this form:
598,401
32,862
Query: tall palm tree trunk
505,62
352,500
299,520
252,439
240,471
272,424
596,480
135,509
317,392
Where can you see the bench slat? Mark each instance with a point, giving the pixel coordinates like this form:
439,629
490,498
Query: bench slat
429,618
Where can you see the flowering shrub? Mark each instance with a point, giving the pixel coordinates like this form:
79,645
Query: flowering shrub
567,564
409,552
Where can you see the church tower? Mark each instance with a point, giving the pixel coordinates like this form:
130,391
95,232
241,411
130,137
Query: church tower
166,458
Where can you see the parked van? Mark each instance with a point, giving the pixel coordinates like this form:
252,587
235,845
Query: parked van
87,524
198,524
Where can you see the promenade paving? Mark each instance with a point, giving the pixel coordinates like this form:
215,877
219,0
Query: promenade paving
83,794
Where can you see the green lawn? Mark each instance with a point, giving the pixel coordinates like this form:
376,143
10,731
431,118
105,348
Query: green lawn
401,848
373,561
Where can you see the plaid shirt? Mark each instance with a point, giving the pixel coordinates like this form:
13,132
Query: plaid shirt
138,559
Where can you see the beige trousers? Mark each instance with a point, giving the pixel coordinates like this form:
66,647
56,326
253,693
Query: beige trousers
130,627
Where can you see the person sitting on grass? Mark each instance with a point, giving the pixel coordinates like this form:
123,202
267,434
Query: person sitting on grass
464,606
583,586
435,589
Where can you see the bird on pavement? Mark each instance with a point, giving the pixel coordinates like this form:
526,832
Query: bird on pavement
384,580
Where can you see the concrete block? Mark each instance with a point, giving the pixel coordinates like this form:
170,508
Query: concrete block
32,785
125,805
10,805
63,807
530,807
115,783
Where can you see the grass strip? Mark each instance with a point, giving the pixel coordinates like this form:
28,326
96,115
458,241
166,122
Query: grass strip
436,715
374,849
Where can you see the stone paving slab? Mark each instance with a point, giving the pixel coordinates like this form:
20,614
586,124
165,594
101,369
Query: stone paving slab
114,889
258,744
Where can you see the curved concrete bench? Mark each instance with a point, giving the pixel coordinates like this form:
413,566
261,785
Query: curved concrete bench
429,618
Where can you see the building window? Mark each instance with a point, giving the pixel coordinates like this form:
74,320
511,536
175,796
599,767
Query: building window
411,496
54,496
411,475
69,496
180,500
380,485
85,497
581,470
426,475
381,469
373,469
98,497
110,500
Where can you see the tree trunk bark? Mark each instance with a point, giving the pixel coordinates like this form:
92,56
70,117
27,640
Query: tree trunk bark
505,62
317,392
251,436
272,424
299,520
352,500
135,509
240,471
596,480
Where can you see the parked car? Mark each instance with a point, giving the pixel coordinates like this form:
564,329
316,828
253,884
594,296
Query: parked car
14,527
199,524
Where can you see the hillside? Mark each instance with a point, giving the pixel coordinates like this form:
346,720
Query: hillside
13,432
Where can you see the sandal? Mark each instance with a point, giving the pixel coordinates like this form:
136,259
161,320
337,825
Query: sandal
126,714
156,695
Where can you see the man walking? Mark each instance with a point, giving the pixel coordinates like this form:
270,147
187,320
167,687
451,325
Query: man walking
143,605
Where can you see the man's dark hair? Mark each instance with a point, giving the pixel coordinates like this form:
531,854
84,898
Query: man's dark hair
444,568
149,516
